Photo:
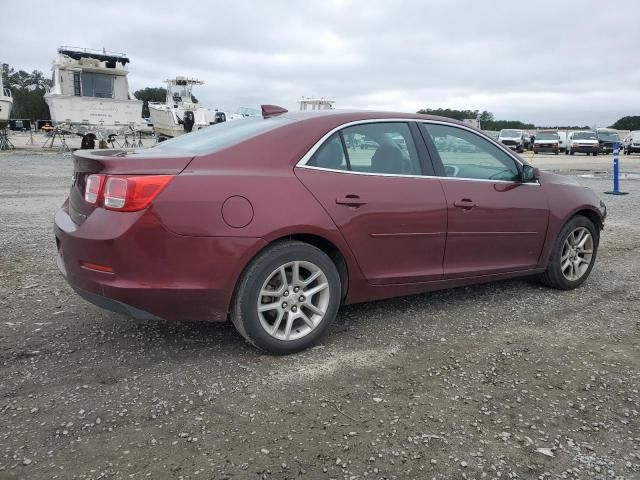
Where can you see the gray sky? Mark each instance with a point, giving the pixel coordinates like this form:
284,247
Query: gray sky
547,62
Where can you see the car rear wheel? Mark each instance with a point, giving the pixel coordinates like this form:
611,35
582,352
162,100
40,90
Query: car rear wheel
287,297
573,255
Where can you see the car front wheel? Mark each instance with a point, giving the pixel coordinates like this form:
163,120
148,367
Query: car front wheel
287,297
573,255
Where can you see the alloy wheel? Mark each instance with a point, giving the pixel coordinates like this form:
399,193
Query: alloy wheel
577,254
293,300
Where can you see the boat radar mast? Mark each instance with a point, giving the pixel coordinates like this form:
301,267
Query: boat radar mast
311,103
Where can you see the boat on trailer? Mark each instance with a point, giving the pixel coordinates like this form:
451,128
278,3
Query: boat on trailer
90,92
179,113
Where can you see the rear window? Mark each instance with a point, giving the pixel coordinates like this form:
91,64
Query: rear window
220,136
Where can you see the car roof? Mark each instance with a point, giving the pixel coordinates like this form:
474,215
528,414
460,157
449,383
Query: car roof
346,116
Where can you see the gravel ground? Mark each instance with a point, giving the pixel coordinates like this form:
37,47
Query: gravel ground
503,380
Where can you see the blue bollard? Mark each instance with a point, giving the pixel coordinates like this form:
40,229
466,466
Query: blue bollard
616,173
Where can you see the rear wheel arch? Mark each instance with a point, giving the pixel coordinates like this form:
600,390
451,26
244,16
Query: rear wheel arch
318,241
328,247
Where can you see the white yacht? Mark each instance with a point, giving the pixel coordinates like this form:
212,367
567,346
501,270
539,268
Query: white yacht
91,91
6,102
179,114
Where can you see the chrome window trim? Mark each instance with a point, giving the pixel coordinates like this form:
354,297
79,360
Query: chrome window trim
463,179
302,163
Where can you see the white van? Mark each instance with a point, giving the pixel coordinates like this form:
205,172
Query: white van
562,141
512,138
583,141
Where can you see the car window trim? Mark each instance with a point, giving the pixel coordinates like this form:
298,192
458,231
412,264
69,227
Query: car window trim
424,157
302,163
345,152
426,163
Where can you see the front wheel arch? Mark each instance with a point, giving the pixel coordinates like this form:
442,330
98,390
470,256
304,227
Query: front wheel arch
554,276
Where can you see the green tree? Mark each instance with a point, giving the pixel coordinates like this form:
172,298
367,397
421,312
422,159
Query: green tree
150,94
487,119
28,91
630,122
486,116
450,113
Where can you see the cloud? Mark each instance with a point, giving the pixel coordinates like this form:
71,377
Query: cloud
544,62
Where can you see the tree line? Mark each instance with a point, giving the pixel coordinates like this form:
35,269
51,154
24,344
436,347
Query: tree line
488,121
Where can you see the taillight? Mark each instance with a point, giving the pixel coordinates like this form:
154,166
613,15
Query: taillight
93,188
128,194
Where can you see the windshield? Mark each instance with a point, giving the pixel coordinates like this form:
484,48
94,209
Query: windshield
221,135
510,133
584,136
547,136
608,137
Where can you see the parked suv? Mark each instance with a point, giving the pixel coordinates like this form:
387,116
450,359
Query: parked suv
632,143
512,138
546,142
607,138
583,142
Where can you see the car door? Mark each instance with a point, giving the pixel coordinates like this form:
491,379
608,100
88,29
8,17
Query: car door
369,178
495,222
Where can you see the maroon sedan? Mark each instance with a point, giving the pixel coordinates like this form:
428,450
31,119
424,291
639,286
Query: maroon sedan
275,222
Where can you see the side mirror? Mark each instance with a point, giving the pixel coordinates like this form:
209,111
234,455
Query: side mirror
529,174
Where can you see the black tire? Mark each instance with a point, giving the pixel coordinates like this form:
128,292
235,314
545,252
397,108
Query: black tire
571,152
566,152
553,276
244,311
535,153
595,154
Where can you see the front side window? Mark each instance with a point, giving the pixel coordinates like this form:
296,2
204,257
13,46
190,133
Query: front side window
97,85
382,148
465,154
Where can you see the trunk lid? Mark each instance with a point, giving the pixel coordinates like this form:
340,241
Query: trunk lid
116,162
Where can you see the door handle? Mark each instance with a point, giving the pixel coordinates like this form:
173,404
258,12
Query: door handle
350,201
465,204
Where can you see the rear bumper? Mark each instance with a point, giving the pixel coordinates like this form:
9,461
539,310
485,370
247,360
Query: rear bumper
157,274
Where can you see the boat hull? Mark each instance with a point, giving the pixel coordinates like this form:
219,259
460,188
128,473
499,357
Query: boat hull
165,120
5,110
92,111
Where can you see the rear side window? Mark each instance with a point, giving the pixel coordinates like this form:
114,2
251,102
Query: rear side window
330,155
220,136
383,148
